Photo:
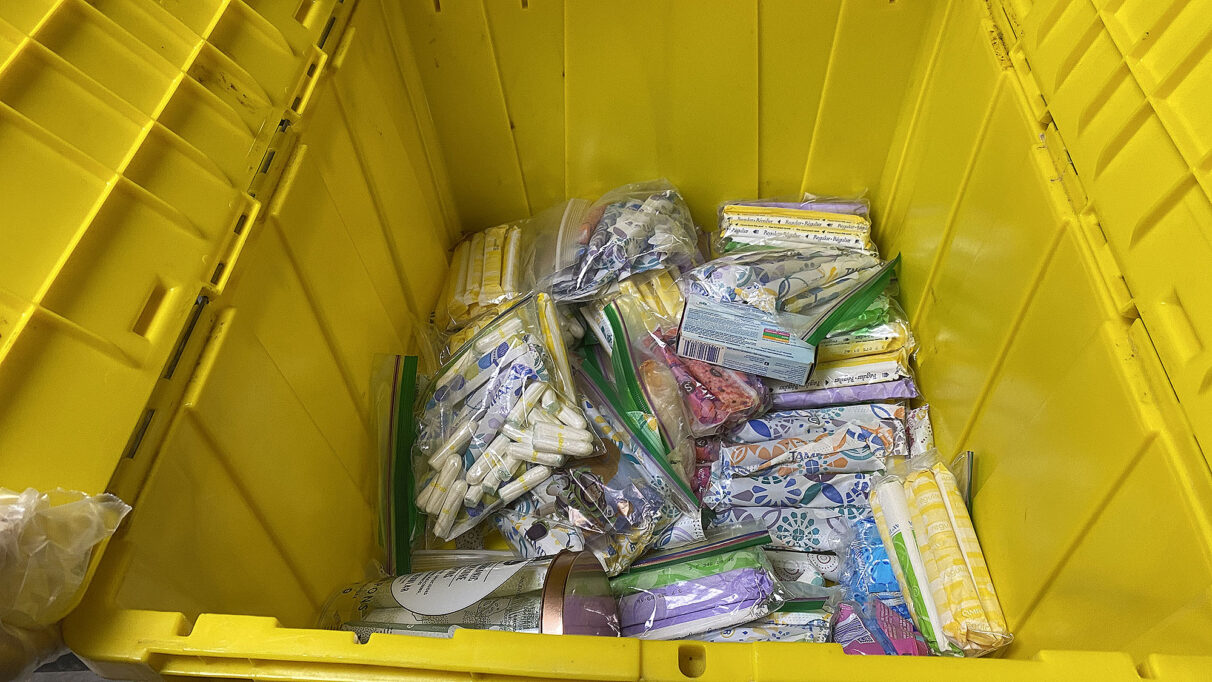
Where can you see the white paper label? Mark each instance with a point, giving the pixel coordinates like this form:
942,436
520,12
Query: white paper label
437,593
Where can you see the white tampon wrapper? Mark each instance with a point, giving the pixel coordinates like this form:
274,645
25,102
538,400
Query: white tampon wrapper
441,464
556,433
442,484
515,433
450,506
527,453
455,444
563,412
475,493
529,480
503,331
550,323
541,416
423,498
530,397
461,263
500,474
488,459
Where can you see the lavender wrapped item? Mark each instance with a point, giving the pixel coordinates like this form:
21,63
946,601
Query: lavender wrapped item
699,605
703,587
901,389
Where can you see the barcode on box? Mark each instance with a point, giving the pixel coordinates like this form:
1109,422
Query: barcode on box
697,350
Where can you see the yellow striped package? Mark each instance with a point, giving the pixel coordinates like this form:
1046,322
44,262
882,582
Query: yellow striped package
928,534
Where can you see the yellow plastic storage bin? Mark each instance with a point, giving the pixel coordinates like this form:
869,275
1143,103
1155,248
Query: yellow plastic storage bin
213,213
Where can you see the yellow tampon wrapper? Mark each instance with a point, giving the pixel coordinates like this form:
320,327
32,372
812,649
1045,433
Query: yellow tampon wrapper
460,265
511,267
475,273
491,290
550,324
892,336
950,581
998,633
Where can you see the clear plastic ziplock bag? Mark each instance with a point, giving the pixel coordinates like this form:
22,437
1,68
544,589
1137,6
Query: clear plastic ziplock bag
718,583
629,230
497,419
889,333
830,221
47,542
925,526
647,390
623,501
715,397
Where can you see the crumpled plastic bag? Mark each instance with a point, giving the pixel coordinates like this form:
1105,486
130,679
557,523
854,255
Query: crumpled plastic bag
46,545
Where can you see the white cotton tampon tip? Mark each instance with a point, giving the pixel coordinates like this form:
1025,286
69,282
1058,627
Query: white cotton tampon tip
455,444
566,414
487,459
530,397
442,484
529,480
503,331
450,506
526,453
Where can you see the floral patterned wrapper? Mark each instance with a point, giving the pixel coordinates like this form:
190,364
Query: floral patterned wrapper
791,566
804,281
532,535
797,490
792,399
806,529
685,529
796,626
886,421
921,433
851,450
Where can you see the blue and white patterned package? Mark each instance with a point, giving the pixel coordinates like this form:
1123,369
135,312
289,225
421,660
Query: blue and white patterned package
806,282
805,529
629,230
886,419
796,490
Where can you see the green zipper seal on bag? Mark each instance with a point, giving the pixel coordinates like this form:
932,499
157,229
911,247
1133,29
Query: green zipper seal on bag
406,522
640,432
709,549
853,303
